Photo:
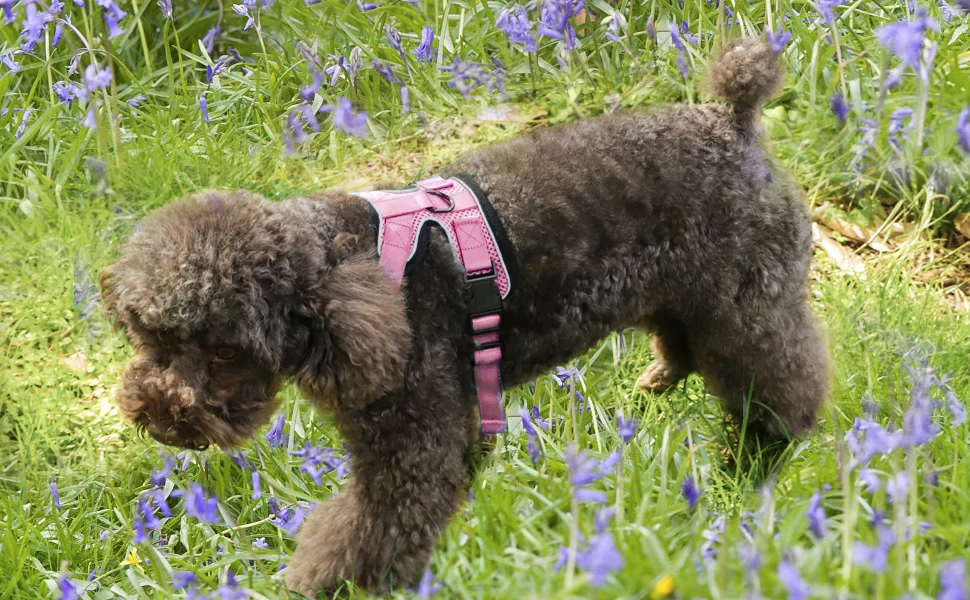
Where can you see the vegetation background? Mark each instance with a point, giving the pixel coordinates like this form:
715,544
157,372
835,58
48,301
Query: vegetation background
110,109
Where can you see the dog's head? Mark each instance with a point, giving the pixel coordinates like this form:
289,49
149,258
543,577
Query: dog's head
224,295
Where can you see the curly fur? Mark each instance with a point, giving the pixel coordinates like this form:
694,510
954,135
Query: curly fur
675,220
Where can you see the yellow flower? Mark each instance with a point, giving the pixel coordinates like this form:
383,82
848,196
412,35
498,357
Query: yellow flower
133,559
664,587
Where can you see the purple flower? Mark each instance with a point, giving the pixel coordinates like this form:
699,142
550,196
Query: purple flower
792,580
425,52
465,76
627,428
183,579
66,588
405,100
111,15
319,461
777,41
613,31
230,589
239,458
394,39
7,6
918,425
345,119
275,436
516,26
690,491
386,71
876,439
363,6
600,559
953,581
200,507
905,38
582,468
209,39
816,516
946,11
963,129
840,108
691,38
602,518
166,7
260,543
204,106
539,420
35,22
826,8
875,558
682,66
158,477
257,490
427,587
554,19
53,485
871,479
897,487
288,520
8,61
94,80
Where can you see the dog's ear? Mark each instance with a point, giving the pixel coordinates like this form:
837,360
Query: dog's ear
366,333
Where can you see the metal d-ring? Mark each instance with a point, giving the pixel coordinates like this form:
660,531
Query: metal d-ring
451,202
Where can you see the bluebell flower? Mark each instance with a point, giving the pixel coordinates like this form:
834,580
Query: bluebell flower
465,76
34,24
792,580
871,479
204,106
289,520
7,7
555,16
319,461
209,39
875,558
602,518
600,559
366,6
239,459
230,590
200,507
55,494
166,7
425,50
538,420
840,108
905,38
405,100
777,40
183,579
275,436
816,516
394,39
691,38
159,477
66,589
946,11
682,66
963,129
345,119
953,581
247,9
427,586
690,491
918,425
8,61
515,24
260,543
826,8
712,536
582,468
94,79
614,30
257,490
627,428
898,487
111,14
58,34
386,71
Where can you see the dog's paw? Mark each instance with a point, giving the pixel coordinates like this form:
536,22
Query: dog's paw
309,577
659,377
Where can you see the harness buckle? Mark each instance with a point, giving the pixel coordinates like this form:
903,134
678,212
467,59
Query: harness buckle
482,293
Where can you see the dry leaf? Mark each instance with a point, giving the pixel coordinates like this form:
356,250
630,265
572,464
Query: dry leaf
76,362
862,235
843,259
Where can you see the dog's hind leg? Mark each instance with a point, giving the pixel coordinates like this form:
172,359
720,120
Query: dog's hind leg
769,365
673,355
408,472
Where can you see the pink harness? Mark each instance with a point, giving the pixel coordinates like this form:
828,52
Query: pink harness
451,204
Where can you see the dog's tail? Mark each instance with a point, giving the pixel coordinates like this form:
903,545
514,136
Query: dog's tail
746,73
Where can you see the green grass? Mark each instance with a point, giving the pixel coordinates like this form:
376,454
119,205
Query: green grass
70,193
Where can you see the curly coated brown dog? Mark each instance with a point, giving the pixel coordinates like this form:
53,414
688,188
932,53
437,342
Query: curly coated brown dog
675,220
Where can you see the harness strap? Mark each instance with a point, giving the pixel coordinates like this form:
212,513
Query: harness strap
451,204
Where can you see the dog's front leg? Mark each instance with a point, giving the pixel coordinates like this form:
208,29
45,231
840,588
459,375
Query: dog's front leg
408,468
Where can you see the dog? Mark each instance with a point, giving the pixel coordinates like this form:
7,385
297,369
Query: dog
676,220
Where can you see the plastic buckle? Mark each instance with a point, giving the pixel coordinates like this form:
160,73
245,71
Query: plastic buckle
483,295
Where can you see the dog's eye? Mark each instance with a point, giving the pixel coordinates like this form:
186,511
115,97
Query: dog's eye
225,353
